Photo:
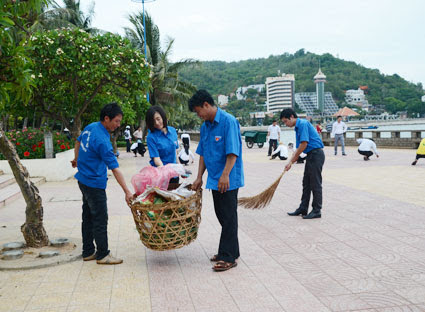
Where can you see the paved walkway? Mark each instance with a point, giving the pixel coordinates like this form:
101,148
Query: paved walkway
365,254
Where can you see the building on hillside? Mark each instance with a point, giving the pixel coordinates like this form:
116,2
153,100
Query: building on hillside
222,100
319,102
280,92
240,92
357,98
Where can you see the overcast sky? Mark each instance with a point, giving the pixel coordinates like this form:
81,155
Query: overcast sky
385,34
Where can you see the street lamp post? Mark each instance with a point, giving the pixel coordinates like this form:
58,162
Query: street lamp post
144,31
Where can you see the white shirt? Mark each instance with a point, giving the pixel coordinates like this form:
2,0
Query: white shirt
274,132
367,145
282,149
339,127
127,134
186,157
138,134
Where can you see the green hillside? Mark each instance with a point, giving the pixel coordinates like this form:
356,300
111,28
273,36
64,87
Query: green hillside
393,92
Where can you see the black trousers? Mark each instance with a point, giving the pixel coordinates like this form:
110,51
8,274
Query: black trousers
419,156
365,153
226,210
312,180
272,144
95,221
127,141
281,157
183,162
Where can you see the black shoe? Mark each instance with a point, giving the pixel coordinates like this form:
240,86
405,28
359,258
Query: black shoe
297,212
414,163
313,215
344,154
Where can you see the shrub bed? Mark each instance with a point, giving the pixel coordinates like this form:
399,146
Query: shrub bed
29,143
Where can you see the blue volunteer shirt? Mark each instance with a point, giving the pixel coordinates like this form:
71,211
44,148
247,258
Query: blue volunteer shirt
219,139
95,156
305,132
163,145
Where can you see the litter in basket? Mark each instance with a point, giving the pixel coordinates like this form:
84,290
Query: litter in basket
167,219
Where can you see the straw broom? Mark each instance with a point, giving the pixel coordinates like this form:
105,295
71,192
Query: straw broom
263,199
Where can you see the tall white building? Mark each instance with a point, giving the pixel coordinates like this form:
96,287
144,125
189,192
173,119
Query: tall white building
280,92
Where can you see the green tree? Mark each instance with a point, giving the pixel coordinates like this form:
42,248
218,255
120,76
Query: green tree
16,83
392,105
76,73
167,88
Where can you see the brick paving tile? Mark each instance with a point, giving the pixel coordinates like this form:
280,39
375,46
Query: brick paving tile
365,254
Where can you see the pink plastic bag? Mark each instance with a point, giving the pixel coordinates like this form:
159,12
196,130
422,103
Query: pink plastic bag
153,176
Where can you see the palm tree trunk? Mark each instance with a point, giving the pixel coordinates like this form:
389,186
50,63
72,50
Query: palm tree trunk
33,231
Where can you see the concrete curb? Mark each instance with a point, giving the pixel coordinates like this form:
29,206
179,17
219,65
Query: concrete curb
30,260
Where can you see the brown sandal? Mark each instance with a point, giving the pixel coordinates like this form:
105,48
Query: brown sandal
224,266
214,258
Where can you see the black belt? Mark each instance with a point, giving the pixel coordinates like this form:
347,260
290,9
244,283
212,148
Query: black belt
315,149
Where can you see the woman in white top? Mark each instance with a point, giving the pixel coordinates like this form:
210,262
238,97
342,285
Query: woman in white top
185,155
281,151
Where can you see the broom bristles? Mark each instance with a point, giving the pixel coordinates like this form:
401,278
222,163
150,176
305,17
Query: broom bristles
261,200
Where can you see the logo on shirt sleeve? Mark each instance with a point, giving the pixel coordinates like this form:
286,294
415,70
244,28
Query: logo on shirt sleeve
217,138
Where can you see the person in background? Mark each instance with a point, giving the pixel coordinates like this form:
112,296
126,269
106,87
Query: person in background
67,133
93,155
186,155
273,132
140,148
127,137
338,129
162,139
220,151
420,152
185,137
281,151
319,128
366,148
309,142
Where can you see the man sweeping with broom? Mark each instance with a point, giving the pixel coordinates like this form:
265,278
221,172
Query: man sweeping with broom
309,142
220,150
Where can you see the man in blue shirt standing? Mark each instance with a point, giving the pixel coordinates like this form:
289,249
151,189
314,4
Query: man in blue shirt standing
309,142
220,150
93,155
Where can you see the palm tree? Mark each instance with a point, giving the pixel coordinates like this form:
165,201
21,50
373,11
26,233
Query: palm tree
167,89
71,15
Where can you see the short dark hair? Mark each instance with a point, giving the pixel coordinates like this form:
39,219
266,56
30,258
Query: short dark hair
274,120
150,120
339,116
111,110
287,113
199,98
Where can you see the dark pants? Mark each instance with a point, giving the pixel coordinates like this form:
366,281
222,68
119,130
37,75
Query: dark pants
312,181
225,206
141,149
183,162
366,153
419,156
95,221
272,144
128,145
281,157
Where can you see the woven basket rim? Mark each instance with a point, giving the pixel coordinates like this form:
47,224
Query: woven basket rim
166,205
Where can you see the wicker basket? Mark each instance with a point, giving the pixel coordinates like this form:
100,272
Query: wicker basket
169,225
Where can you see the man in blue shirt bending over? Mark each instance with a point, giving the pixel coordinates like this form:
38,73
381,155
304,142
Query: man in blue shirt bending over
309,142
93,155
220,150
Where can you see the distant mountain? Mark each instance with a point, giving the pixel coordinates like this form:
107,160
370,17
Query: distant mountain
223,78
